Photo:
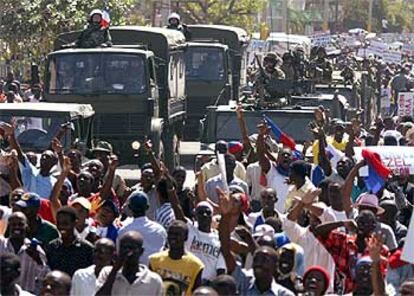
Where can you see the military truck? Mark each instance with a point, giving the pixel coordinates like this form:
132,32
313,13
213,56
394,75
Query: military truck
137,87
38,123
215,70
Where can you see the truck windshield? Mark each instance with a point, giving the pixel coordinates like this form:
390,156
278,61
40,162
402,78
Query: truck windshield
97,73
204,64
36,133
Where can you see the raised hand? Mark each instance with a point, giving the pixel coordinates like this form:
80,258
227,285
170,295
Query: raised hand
113,162
225,204
263,129
239,111
374,245
67,165
57,146
148,146
310,196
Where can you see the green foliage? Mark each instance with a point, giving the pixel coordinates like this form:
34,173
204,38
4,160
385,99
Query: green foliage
398,13
30,26
240,13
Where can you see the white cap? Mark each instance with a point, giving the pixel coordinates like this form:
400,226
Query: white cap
174,15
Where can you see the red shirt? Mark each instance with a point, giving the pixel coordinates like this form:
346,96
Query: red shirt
344,251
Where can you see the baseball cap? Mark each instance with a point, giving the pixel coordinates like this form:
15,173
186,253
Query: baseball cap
83,202
138,201
103,146
235,147
262,230
369,200
28,200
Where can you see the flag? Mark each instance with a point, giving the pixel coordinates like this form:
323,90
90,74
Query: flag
106,19
334,155
377,172
280,136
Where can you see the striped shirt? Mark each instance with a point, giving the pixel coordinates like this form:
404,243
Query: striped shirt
30,270
165,215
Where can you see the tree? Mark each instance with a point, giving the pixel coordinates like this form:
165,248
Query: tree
30,26
239,13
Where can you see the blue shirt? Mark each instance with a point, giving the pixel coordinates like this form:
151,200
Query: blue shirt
33,181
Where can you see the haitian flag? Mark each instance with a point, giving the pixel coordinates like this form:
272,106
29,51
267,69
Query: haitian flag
377,172
283,138
106,19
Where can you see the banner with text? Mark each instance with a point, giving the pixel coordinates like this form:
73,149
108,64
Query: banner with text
400,159
405,103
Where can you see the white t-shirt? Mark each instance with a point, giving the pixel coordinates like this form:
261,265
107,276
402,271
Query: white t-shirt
314,252
206,247
84,282
278,182
339,215
253,172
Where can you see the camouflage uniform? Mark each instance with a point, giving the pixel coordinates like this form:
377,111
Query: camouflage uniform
262,79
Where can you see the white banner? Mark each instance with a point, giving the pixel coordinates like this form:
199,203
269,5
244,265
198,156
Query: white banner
321,39
408,250
400,159
405,103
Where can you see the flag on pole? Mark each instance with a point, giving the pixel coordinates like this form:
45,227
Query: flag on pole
283,138
377,172
280,136
106,19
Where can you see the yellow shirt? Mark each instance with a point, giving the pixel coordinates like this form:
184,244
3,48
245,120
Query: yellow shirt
308,185
180,273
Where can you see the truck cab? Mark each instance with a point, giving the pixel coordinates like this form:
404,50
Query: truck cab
38,123
137,87
215,70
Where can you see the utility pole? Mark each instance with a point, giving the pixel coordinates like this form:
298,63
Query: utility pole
369,27
285,16
325,15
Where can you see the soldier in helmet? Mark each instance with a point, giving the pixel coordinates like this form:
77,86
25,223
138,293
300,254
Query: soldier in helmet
321,61
299,62
287,66
95,34
270,71
174,23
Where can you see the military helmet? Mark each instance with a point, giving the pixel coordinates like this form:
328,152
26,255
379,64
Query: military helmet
299,48
174,15
95,11
271,56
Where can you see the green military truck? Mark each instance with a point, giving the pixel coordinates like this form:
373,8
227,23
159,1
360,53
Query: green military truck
215,70
137,87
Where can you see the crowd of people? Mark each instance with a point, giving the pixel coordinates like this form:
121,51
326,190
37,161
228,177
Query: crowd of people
274,221
265,216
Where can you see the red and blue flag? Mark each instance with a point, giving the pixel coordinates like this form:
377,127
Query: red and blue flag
283,138
378,173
